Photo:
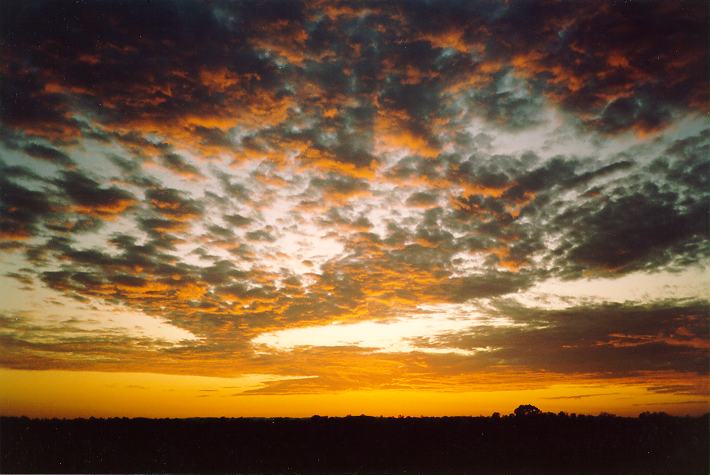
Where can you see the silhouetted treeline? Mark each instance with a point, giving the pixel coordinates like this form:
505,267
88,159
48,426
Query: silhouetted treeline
523,443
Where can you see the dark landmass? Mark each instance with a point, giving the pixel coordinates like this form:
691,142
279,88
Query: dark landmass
522,443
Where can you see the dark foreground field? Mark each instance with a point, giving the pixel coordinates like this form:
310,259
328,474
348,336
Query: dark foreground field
543,443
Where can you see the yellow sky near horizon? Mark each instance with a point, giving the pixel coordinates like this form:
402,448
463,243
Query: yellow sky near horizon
69,394
400,208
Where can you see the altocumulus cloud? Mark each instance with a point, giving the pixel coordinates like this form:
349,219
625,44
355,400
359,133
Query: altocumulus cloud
310,163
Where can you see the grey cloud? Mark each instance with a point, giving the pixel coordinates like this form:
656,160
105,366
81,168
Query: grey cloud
49,154
610,340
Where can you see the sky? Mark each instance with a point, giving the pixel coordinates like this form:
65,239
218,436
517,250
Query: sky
268,208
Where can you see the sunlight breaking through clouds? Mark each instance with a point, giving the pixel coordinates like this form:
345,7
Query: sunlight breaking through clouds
396,335
689,284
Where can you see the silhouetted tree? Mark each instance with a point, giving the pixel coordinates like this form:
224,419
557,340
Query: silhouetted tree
526,410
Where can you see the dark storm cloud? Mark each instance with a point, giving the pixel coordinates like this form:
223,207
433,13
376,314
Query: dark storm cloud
73,223
485,285
26,106
412,169
117,73
221,272
623,113
173,204
339,188
625,215
90,198
635,230
19,172
21,210
236,220
560,172
600,172
607,339
213,136
260,235
614,60
656,216
556,171
158,227
136,273
343,220
506,108
556,50
148,276
422,198
49,154
686,164
599,61
132,172
493,174
179,165
232,188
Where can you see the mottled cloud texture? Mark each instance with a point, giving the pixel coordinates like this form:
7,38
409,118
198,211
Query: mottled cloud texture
238,170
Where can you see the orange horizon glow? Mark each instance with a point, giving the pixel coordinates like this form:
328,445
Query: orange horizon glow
73,394
337,209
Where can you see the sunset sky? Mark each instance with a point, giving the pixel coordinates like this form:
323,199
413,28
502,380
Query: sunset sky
419,208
